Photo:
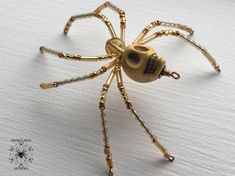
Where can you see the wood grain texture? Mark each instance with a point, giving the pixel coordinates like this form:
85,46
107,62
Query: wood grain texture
193,117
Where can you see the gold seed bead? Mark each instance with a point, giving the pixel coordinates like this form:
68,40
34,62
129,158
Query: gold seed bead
62,55
71,19
93,74
145,30
105,87
103,69
129,104
77,57
102,105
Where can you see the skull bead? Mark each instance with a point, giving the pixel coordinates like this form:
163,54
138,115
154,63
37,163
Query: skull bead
141,63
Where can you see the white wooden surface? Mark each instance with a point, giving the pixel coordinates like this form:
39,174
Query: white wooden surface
193,117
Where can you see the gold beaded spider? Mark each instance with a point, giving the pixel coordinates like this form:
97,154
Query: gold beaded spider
140,62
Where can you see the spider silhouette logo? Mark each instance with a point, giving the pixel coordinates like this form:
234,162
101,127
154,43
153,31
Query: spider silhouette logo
21,154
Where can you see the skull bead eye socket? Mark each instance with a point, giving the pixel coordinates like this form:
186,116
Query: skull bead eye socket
135,56
133,60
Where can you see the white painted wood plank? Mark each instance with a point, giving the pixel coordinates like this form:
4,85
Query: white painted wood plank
193,117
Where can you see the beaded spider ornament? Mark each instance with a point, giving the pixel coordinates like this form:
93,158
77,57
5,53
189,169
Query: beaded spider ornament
139,61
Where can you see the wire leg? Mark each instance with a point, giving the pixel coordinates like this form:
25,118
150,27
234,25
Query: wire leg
76,57
185,38
121,16
107,149
162,23
91,75
103,18
129,106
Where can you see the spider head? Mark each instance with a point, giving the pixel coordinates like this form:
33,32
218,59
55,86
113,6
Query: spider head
141,63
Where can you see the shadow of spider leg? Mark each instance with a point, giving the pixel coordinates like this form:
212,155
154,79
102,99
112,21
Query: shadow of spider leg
156,23
91,75
185,38
129,105
107,150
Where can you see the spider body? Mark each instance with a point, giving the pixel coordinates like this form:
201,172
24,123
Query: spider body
21,153
139,61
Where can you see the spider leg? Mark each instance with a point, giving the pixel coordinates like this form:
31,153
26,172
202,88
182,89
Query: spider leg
107,150
76,57
121,16
103,18
16,155
25,156
129,105
91,75
185,38
162,23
